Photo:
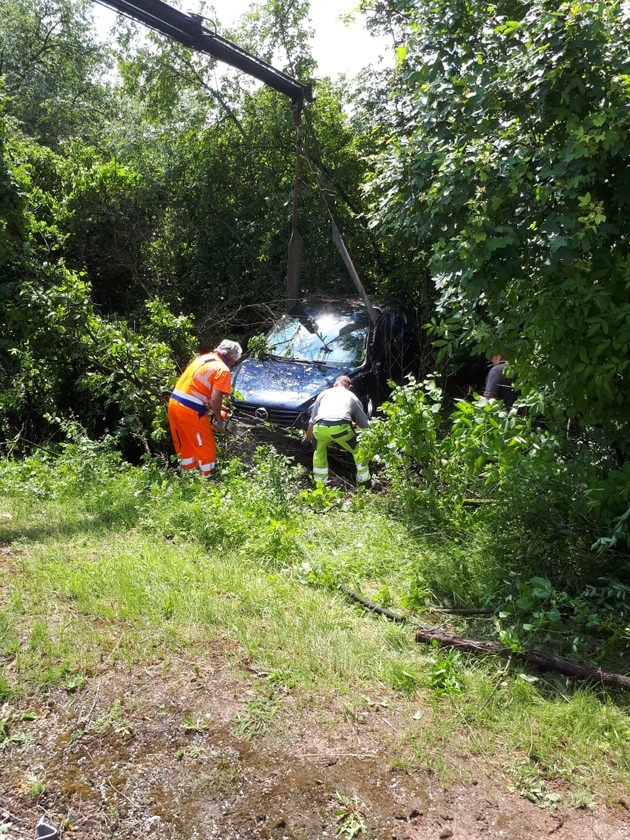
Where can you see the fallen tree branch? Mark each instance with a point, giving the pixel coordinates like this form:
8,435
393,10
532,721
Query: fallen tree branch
540,659
400,619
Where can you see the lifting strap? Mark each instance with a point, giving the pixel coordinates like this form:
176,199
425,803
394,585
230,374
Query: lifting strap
341,247
296,245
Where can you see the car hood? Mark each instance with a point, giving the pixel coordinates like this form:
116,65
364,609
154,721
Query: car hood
282,383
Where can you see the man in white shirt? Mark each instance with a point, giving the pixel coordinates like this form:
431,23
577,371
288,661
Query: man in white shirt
334,415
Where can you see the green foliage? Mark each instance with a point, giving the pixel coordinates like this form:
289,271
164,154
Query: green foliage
112,211
504,484
225,172
11,209
257,346
195,724
74,363
478,450
7,734
445,676
595,621
257,717
60,357
110,718
405,439
404,678
511,173
530,784
612,495
256,515
321,498
53,66
350,816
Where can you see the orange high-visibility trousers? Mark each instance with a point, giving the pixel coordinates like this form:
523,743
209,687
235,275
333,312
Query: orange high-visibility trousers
192,437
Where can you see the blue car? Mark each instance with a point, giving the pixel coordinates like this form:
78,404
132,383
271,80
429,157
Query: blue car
313,344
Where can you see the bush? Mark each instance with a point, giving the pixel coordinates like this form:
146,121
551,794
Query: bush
512,497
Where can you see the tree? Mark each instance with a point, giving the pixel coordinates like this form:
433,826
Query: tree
52,67
223,150
60,357
180,195
11,218
513,175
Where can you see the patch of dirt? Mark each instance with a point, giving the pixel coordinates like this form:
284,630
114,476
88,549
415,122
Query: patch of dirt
246,437
155,752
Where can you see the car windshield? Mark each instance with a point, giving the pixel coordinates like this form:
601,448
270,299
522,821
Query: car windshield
311,335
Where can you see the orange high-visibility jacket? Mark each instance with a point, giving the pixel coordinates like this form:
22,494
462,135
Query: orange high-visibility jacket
205,374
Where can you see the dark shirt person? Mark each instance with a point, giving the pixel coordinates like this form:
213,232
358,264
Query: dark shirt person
498,385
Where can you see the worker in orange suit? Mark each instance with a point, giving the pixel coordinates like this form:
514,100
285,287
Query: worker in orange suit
196,406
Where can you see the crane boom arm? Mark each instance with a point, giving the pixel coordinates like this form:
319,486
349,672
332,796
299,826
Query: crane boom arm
190,31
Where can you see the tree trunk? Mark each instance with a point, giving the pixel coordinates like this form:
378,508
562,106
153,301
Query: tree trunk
541,659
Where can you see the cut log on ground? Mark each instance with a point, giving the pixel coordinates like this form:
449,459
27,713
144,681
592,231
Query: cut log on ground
538,658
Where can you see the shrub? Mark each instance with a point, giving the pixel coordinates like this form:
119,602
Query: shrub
530,499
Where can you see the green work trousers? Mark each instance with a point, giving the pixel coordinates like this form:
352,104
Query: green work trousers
344,436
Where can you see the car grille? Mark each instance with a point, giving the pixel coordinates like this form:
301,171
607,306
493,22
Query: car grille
276,416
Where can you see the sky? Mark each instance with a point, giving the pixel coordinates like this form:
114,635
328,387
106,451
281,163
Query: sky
337,48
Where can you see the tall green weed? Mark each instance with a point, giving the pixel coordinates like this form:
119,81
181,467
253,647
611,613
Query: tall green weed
512,498
250,508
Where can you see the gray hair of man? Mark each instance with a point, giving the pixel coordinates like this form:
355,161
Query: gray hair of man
232,350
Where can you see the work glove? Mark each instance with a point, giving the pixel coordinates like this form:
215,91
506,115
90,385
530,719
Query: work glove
219,427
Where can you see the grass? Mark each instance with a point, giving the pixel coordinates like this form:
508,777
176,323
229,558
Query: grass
107,563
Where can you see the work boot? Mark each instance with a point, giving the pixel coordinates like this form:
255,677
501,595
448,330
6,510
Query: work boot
45,831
